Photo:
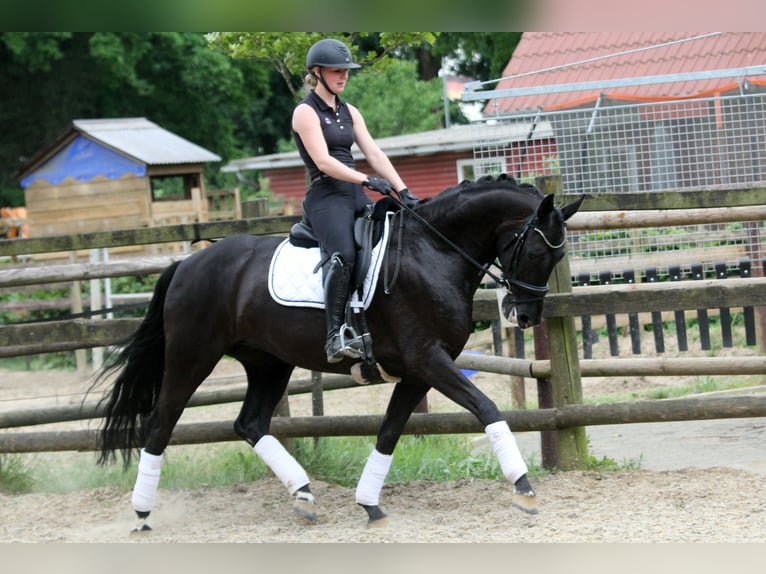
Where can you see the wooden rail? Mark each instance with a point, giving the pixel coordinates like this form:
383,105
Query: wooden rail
564,417
52,336
561,307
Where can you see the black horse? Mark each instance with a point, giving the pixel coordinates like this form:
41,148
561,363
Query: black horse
216,302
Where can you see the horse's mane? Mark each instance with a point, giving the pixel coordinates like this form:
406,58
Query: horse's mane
488,182
467,188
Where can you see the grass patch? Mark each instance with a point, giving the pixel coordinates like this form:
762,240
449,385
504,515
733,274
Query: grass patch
434,457
14,474
337,460
699,385
706,384
62,360
606,464
194,466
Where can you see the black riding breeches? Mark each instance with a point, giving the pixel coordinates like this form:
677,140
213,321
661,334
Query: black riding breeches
331,206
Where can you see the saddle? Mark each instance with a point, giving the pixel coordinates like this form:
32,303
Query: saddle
368,230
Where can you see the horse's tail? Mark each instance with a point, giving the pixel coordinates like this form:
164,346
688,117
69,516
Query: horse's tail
142,359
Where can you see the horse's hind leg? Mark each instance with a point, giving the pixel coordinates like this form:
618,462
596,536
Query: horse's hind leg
403,401
266,384
179,383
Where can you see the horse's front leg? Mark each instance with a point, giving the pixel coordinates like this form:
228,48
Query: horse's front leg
404,399
450,381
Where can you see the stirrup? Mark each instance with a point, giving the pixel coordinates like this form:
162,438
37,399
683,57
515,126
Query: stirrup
351,345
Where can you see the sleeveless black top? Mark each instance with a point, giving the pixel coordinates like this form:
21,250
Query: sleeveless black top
338,129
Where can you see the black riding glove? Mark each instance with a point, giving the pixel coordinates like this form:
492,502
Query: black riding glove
379,184
408,198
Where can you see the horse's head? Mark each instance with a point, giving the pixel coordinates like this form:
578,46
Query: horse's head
528,257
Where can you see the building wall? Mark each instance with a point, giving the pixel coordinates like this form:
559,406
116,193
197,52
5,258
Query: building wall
425,175
429,175
74,206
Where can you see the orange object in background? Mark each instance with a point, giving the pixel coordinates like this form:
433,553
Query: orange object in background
13,221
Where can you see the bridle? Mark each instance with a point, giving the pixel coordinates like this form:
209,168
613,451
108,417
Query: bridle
533,293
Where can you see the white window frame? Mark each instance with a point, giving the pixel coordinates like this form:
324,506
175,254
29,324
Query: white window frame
478,167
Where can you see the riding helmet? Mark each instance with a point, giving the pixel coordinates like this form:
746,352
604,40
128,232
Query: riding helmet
330,53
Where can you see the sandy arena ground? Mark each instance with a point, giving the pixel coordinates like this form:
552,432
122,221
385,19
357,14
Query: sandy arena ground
709,488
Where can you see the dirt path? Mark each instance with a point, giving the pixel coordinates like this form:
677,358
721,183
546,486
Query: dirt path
692,487
718,505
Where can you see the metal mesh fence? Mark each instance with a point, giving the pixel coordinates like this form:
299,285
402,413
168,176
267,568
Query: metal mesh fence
618,146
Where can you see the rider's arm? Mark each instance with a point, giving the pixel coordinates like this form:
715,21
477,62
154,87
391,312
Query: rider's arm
306,125
377,159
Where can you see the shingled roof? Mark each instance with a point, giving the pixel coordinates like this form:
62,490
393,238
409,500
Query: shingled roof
550,51
137,139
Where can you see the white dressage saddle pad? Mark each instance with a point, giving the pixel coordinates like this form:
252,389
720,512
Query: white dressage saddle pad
292,280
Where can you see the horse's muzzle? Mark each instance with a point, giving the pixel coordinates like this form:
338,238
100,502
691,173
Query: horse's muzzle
519,315
523,320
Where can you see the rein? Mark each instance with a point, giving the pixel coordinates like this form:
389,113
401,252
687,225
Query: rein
460,250
534,292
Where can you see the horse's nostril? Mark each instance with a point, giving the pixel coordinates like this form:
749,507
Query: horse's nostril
525,321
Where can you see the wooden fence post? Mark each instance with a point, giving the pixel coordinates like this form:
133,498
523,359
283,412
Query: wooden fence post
81,357
548,450
515,342
258,207
283,410
571,443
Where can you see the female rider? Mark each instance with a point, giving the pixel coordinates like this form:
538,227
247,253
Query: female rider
325,127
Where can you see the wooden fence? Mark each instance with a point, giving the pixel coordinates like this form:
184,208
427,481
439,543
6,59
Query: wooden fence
561,411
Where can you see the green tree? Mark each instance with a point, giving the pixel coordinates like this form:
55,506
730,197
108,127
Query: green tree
479,55
396,102
234,99
387,89
286,51
173,79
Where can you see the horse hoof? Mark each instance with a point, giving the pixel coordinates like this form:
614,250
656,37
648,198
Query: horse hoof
376,518
378,522
305,505
141,529
525,501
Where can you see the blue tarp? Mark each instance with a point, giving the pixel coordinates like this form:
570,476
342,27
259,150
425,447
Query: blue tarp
83,159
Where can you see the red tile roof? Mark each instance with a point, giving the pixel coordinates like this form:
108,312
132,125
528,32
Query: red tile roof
542,50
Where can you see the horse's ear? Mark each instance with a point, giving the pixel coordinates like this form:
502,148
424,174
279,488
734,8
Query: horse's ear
569,210
546,206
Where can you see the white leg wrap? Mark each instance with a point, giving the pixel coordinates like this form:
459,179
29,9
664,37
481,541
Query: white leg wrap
281,463
506,450
147,481
374,474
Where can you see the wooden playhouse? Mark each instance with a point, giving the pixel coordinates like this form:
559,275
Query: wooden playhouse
107,174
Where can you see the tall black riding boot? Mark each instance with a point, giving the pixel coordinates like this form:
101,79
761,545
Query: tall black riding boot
336,287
